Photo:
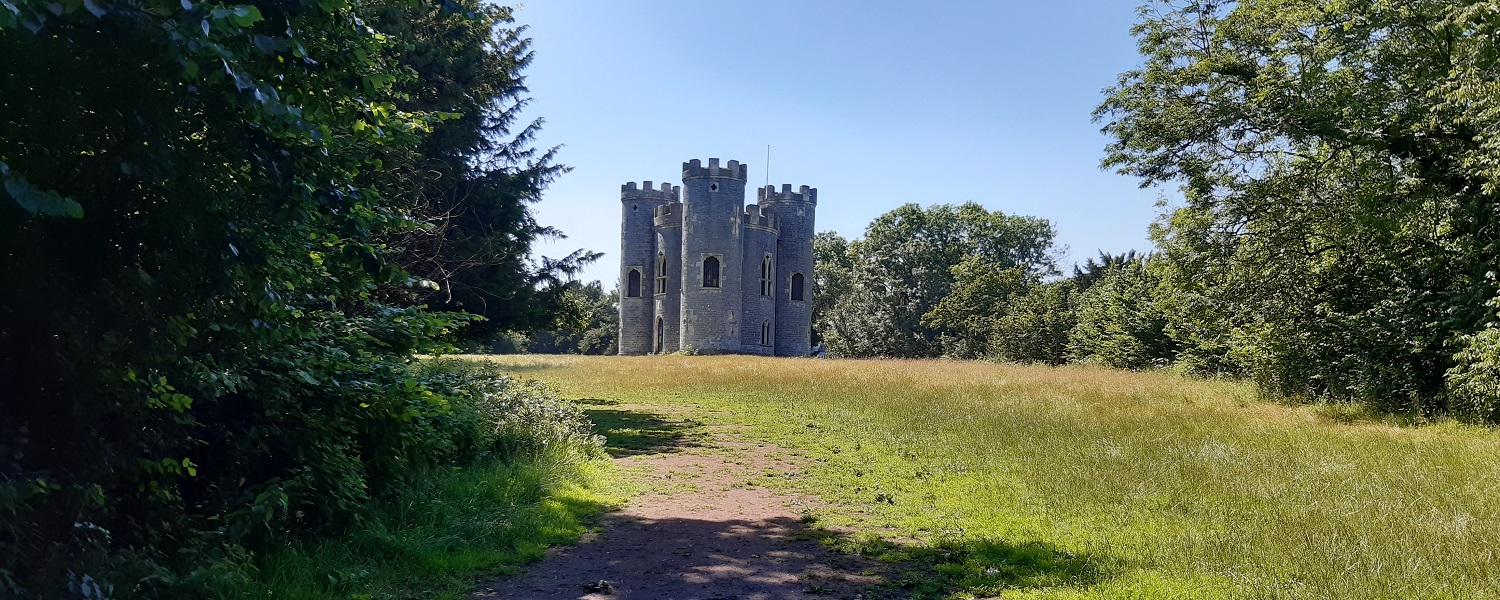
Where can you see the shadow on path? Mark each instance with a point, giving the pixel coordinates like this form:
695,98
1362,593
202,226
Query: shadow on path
778,559
630,432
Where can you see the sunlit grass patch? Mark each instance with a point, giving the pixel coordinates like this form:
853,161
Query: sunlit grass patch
1137,484
433,539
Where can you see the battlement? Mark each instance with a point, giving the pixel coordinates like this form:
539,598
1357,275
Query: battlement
756,217
667,191
694,169
769,194
666,215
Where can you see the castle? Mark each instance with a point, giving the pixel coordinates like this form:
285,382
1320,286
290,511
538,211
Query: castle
700,269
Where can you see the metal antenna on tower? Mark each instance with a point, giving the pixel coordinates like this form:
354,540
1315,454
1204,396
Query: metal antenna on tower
768,164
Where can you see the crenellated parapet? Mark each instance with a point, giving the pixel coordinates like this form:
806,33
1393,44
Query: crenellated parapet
666,192
804,195
667,215
756,217
700,268
694,169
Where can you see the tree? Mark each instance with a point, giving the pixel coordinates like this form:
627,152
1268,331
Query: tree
472,180
969,315
1121,322
1035,326
833,278
200,249
903,267
595,329
1340,163
1092,271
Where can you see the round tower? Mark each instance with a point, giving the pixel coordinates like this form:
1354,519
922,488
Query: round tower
758,282
666,334
637,264
713,200
794,212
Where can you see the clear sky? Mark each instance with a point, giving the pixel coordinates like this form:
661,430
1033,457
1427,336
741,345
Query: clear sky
876,104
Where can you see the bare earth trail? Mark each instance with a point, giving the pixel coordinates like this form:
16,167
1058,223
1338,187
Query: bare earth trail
700,530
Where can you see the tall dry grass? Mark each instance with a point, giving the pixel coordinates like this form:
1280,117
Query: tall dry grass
1165,486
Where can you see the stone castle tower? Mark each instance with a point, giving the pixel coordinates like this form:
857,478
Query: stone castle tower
700,268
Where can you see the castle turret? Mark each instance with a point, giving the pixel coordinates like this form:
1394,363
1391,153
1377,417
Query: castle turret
794,212
667,328
758,282
638,267
713,202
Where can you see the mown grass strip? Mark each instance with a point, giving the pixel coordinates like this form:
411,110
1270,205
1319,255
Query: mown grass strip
1079,482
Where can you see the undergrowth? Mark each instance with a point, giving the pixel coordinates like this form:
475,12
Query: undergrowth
449,527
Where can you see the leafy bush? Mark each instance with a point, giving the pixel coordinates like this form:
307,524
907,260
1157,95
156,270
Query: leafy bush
1120,321
210,328
1474,380
507,418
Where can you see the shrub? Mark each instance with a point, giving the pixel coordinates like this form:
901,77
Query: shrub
506,418
1474,381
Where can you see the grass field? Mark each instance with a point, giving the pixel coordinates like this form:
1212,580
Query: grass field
1076,482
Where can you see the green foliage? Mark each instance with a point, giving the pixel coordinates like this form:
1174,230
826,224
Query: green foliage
967,316
209,334
1340,164
1474,379
833,275
472,180
1035,326
1121,322
903,268
595,330
1091,271
510,419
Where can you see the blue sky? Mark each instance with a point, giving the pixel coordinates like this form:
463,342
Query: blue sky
876,104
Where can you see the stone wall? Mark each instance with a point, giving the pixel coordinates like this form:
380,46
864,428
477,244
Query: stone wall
759,240
667,327
713,200
795,214
637,253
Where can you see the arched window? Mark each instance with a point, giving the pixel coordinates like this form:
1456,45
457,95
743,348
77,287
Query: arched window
661,273
797,287
765,277
633,284
661,334
765,333
711,272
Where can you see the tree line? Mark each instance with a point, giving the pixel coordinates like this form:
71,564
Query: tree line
226,232
1339,237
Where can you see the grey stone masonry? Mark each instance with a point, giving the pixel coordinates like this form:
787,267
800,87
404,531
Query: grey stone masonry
758,290
667,330
795,212
713,199
637,262
699,268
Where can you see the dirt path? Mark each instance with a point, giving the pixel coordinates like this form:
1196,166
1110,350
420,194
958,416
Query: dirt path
700,531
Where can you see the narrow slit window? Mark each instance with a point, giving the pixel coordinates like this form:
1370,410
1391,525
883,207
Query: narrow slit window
765,277
633,284
711,272
765,333
797,287
661,273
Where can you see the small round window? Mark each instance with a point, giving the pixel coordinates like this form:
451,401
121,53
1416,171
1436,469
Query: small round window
713,187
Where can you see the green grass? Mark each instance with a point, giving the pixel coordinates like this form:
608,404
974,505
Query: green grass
1079,482
447,530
